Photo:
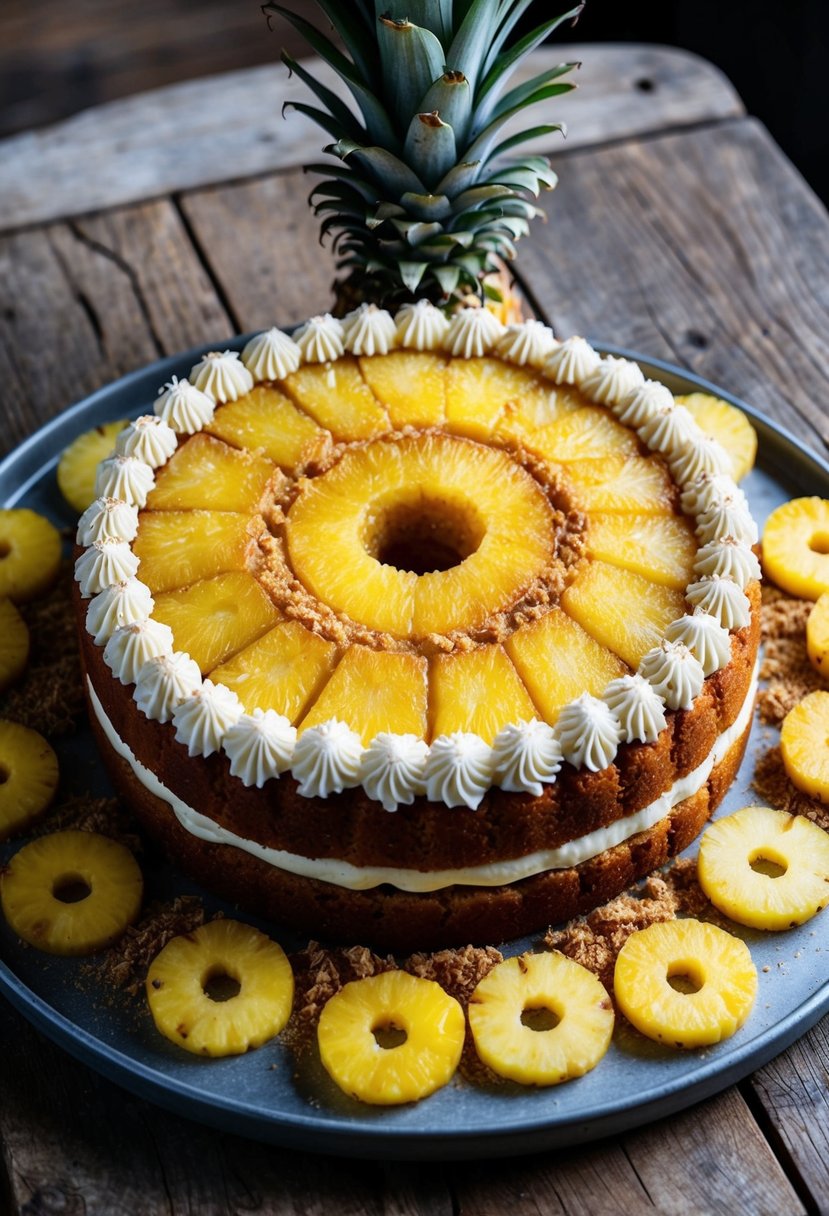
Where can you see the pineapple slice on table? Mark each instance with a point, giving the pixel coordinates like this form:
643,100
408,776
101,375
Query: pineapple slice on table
78,465
374,691
817,635
338,398
221,990
410,384
728,425
764,868
72,892
267,421
624,611
176,548
284,670
715,983
206,474
29,772
30,551
796,547
558,660
540,1019
480,391
591,433
216,617
803,744
14,644
391,1038
662,548
622,484
478,691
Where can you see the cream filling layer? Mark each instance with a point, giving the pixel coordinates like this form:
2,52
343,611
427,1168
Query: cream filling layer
502,873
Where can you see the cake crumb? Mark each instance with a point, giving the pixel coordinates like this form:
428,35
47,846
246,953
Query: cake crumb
772,784
320,973
124,966
785,665
457,971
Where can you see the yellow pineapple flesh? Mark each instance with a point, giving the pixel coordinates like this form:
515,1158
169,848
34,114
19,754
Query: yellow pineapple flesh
176,548
374,691
661,547
217,617
284,670
591,433
71,892
480,391
624,611
14,644
28,777
206,474
267,421
540,1019
728,425
715,983
764,868
30,552
338,398
221,990
78,465
520,419
641,484
478,691
817,635
410,384
803,744
796,547
392,1006
558,661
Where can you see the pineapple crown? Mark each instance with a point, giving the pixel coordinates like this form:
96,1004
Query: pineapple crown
425,203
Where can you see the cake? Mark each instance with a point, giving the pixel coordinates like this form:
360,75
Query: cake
416,630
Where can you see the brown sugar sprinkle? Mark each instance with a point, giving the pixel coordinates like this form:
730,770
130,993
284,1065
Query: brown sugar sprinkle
319,973
125,965
773,786
457,971
786,664
84,813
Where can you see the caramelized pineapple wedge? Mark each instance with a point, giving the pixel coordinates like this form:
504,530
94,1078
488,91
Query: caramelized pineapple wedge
591,433
624,611
267,421
796,547
478,691
620,484
217,617
374,691
29,554
78,465
28,777
662,548
285,670
479,392
728,425
14,644
337,397
177,548
206,474
411,385
803,738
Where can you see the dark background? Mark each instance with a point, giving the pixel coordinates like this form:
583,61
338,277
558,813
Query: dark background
60,56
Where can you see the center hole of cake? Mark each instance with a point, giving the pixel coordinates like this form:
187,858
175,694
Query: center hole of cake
388,1034
818,542
71,889
539,1017
220,986
772,867
685,978
425,534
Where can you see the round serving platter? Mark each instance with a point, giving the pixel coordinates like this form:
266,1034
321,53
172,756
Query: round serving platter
271,1094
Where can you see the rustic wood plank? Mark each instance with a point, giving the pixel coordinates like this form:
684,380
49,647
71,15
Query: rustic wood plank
706,248
228,126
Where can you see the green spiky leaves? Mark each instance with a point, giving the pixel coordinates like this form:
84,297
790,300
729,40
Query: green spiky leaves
426,201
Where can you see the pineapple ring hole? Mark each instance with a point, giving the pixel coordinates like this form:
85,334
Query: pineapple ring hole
540,1017
819,542
71,888
768,862
5,549
388,1034
5,773
685,977
219,985
426,535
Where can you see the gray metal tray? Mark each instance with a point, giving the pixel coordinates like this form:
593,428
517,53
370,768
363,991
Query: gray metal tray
271,1096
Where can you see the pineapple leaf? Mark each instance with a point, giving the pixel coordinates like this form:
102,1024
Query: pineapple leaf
322,118
522,137
448,277
469,46
335,105
430,146
388,170
411,273
357,38
416,233
507,61
530,91
427,206
412,60
460,178
434,15
451,96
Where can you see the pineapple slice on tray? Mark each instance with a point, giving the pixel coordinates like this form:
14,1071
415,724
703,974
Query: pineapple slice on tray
284,670
728,425
30,552
14,644
206,474
217,617
78,465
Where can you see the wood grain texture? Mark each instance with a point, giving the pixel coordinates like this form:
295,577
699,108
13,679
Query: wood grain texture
707,249
228,126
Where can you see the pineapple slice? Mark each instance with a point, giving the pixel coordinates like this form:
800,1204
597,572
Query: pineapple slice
641,484
176,548
72,892
266,420
661,547
591,433
521,419
796,547
792,885
410,384
480,391
337,397
221,990
214,619
716,982
540,1019
207,474
30,552
803,739
374,691
817,635
14,644
558,661
78,465
28,777
360,1020
728,425
284,670
477,691
622,610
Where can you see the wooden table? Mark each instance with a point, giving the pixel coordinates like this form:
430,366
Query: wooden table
148,226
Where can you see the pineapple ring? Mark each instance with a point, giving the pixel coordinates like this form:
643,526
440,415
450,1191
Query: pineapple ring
78,465
14,644
179,980
71,892
803,745
540,982
731,847
796,547
30,551
728,425
29,772
393,1001
722,975
817,635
